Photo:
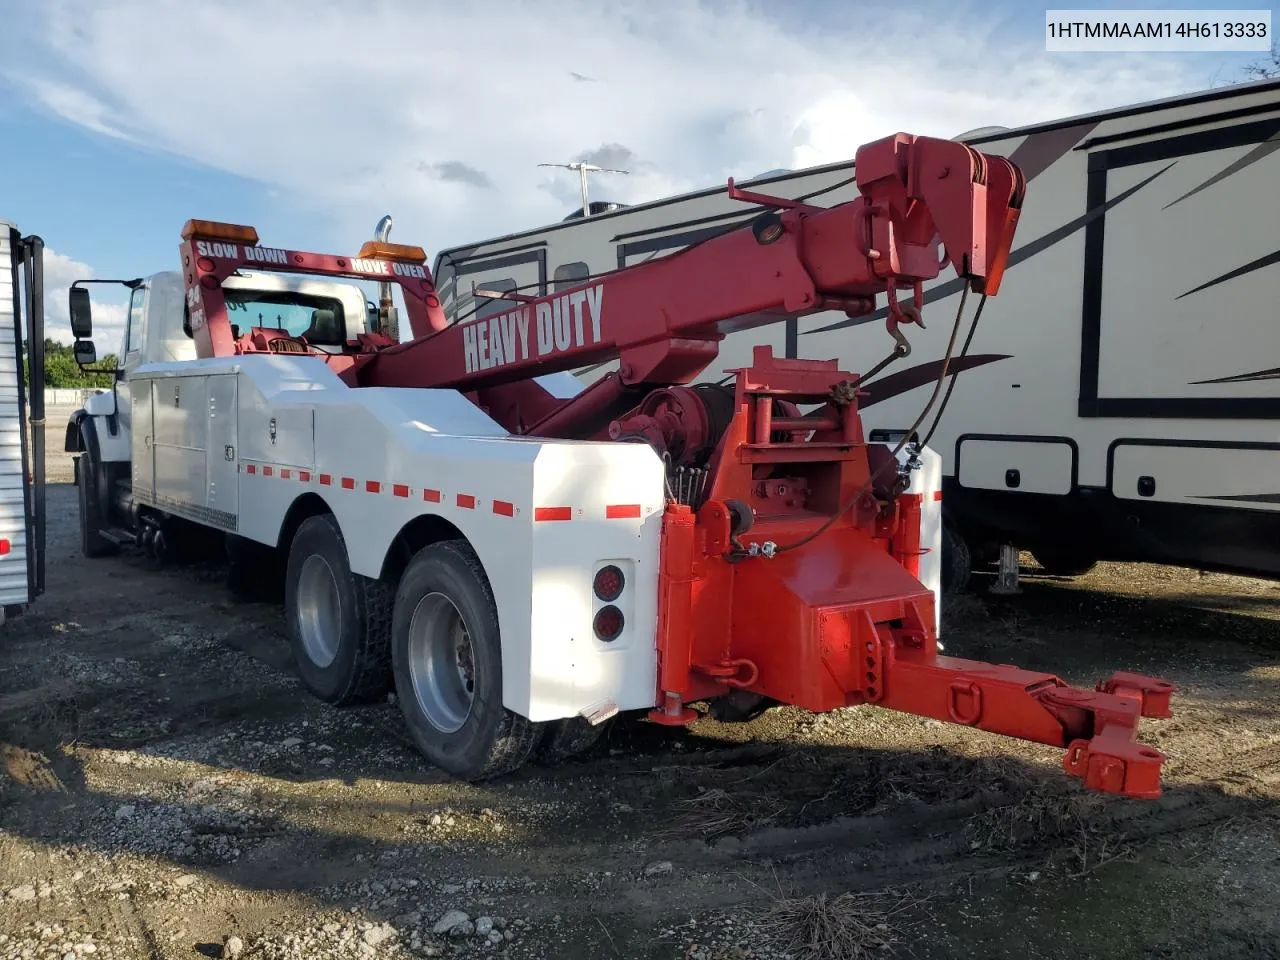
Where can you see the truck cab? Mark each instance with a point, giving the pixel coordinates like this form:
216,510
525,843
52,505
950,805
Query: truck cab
157,330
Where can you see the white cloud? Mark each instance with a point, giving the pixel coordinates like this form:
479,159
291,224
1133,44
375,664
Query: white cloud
109,303
440,113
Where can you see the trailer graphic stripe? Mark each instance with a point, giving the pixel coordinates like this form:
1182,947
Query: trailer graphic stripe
1264,261
1264,149
1248,497
1271,374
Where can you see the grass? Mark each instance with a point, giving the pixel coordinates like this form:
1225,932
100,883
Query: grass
850,926
718,813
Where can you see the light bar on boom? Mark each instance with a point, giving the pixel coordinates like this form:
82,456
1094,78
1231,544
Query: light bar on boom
213,230
381,250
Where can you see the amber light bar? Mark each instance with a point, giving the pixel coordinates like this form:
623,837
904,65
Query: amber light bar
380,250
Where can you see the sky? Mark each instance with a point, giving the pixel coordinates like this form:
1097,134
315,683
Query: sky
310,119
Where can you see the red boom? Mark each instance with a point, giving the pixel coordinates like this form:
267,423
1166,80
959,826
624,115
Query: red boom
664,319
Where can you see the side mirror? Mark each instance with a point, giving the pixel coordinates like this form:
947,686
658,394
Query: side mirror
86,353
81,314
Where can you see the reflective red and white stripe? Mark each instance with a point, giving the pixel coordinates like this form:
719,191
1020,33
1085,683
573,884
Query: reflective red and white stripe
464,501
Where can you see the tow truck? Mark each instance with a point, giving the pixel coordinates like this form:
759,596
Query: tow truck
520,557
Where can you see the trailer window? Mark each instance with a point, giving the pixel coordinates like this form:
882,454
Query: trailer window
487,306
570,274
319,319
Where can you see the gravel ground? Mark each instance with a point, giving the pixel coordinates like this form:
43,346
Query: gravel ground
168,790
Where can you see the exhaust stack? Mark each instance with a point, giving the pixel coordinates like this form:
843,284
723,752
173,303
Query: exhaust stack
388,318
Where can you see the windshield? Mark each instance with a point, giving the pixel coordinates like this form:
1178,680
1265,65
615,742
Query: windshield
318,319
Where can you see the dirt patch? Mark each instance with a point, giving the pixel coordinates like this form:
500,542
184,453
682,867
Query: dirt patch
167,784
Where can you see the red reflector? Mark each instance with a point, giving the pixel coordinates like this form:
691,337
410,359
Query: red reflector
553,513
4,547
937,494
609,583
503,508
466,501
348,483
400,489
608,623
372,486
622,511
433,496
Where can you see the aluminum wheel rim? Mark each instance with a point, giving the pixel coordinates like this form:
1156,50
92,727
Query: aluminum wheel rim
319,610
441,663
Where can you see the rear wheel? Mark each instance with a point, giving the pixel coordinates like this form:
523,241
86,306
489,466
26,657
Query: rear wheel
447,662
338,622
88,489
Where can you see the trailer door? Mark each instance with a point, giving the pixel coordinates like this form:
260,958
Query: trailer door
1180,278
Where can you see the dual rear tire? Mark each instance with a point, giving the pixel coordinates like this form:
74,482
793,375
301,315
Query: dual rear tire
434,640
447,666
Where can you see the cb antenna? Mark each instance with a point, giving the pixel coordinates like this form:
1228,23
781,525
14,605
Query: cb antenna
583,169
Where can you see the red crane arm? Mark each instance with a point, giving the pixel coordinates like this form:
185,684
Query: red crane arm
664,319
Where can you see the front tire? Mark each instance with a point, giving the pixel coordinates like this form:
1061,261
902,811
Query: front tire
447,663
338,622
88,486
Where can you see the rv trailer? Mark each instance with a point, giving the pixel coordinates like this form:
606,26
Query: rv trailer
22,460
1118,401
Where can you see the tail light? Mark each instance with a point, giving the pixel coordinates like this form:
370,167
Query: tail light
608,623
608,584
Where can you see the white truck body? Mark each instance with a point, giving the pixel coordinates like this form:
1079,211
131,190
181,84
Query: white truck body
237,443
1122,393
